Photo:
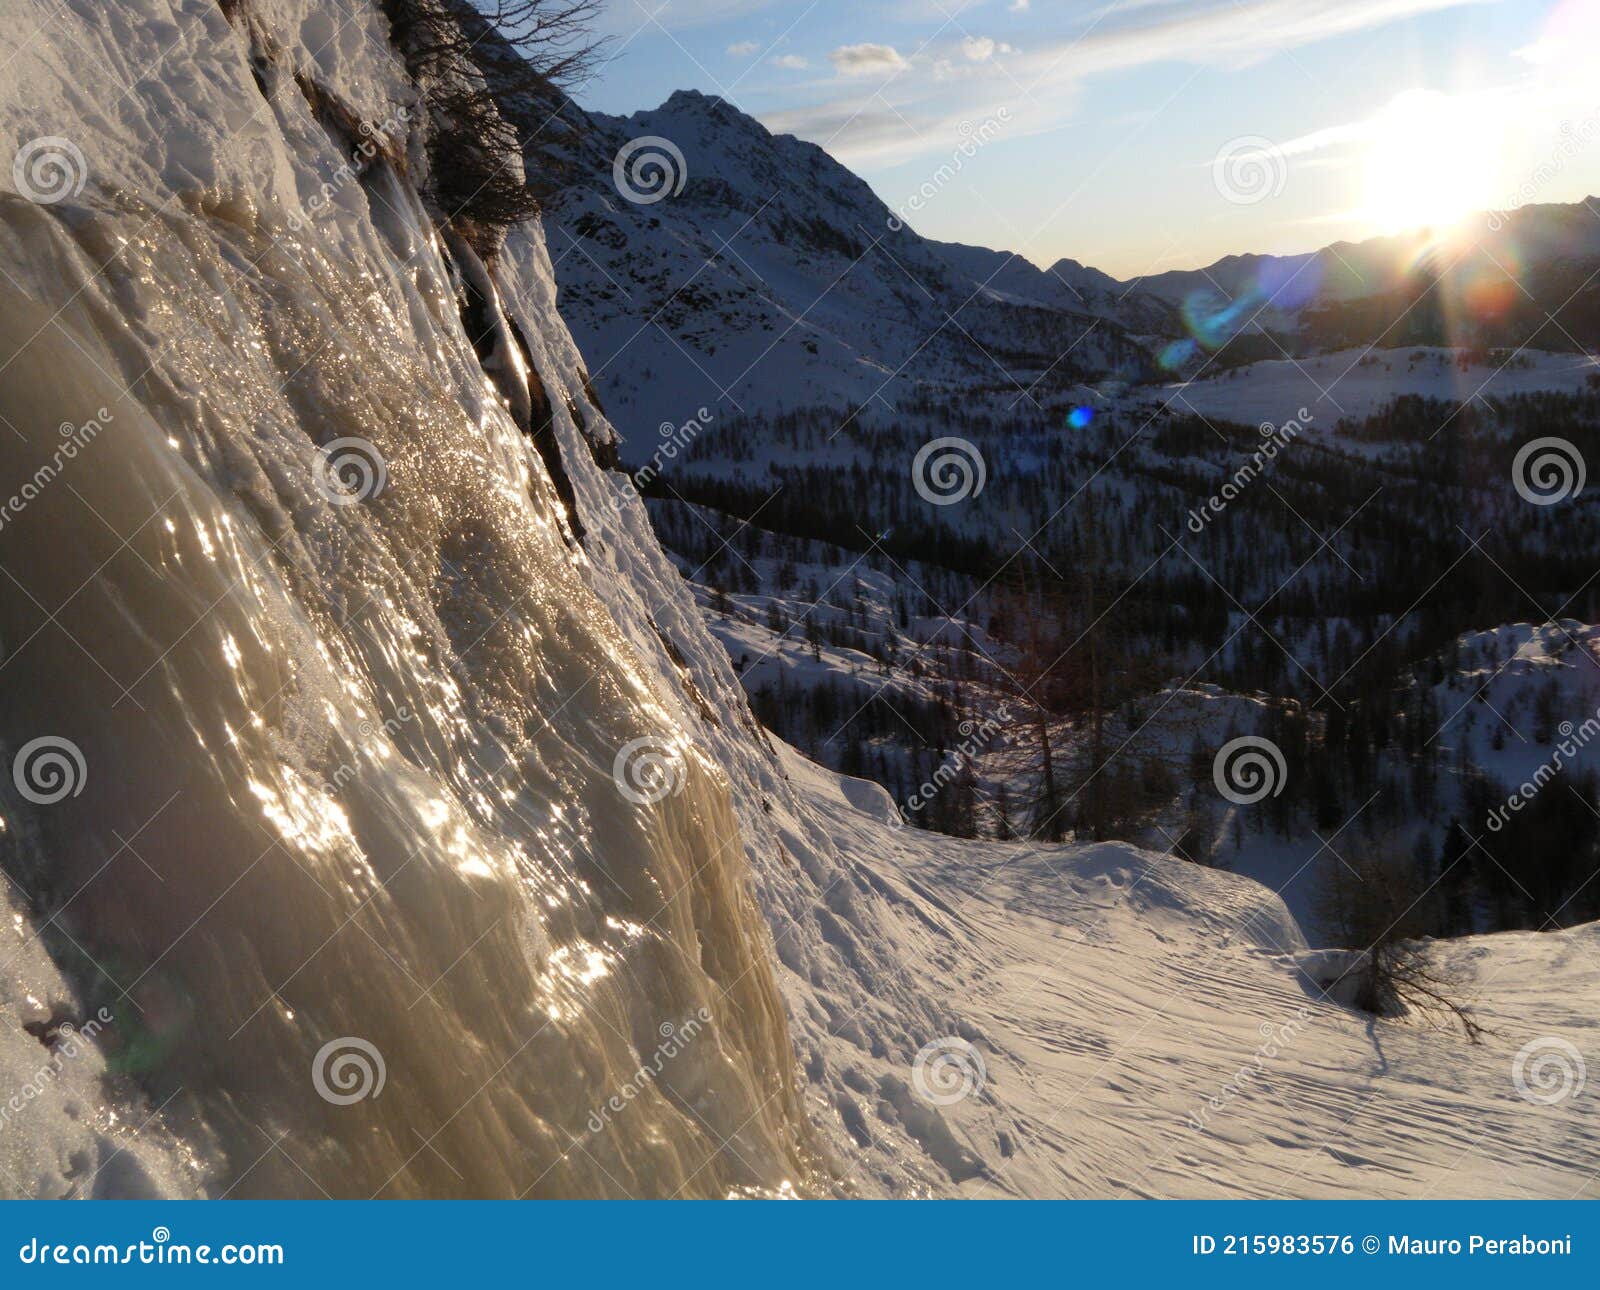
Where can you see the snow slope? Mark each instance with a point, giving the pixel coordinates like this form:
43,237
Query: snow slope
1490,704
1356,383
353,762
1146,1030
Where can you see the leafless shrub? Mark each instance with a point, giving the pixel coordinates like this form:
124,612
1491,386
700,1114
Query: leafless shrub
492,74
1379,904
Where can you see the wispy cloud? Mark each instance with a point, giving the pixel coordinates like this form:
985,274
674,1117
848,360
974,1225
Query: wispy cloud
930,91
867,60
626,16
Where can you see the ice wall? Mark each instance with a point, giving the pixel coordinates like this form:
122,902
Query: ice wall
360,846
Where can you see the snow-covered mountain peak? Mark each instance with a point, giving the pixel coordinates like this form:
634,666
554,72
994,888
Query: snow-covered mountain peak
769,277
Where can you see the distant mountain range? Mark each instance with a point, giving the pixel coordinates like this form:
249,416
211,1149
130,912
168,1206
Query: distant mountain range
1530,277
703,259
1527,237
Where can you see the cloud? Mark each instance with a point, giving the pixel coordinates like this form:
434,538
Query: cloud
866,131
790,62
673,15
980,49
744,48
1018,6
1044,84
867,60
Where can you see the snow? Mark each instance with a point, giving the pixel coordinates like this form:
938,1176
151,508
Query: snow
1150,1028
777,280
70,1127
227,637
1502,674
1355,383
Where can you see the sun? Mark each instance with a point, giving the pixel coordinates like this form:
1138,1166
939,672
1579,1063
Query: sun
1432,160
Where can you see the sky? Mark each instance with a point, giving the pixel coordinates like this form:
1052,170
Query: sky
1145,135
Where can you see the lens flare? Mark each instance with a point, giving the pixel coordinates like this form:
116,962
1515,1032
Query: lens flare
1178,355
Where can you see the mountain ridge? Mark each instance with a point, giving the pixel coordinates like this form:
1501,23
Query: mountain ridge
770,275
